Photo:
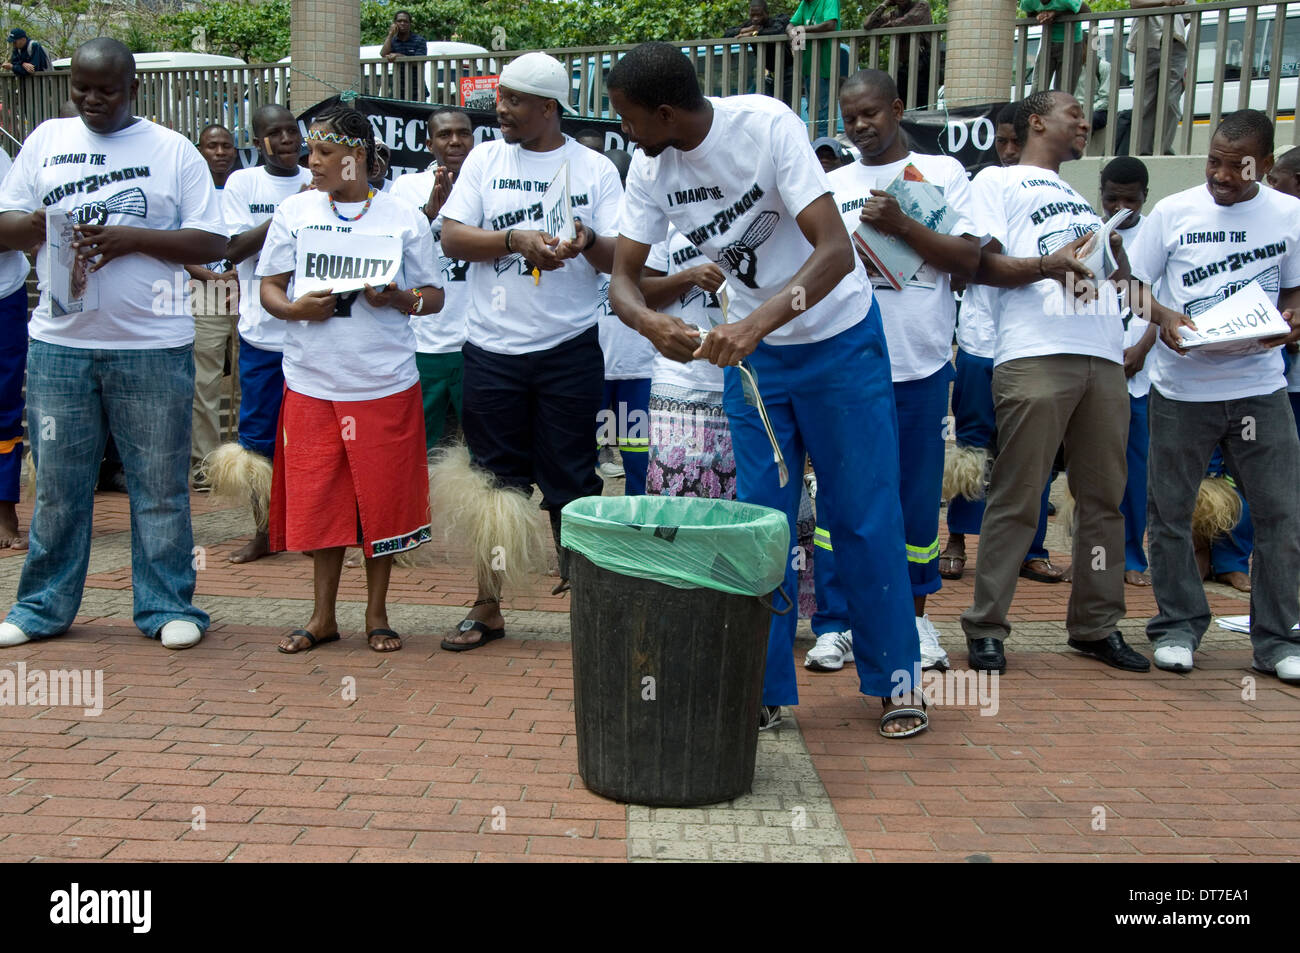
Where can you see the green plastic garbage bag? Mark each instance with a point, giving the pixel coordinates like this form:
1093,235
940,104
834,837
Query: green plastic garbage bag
685,542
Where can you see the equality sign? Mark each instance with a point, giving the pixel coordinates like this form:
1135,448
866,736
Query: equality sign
340,262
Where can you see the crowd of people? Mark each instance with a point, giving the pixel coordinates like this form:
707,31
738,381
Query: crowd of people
422,354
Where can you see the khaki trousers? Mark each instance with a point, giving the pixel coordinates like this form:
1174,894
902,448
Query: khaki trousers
1040,403
214,338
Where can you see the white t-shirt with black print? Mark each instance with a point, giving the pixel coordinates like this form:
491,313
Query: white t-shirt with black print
919,319
250,198
359,353
500,186
142,176
695,306
1032,212
444,332
1196,253
736,196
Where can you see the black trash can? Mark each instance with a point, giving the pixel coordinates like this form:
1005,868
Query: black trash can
667,682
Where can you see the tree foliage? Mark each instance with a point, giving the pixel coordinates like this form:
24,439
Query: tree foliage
259,32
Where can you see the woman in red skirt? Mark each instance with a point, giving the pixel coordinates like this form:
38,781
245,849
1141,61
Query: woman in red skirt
351,467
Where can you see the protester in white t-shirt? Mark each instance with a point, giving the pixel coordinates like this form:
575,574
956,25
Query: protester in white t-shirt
242,471
214,295
1124,186
439,338
919,321
350,465
143,206
534,373
739,179
14,268
1058,378
1197,248
690,443
974,421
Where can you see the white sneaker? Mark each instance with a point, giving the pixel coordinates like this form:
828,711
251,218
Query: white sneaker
10,634
932,653
1176,658
1288,669
180,634
830,653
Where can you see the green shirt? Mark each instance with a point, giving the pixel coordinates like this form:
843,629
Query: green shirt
1033,7
811,14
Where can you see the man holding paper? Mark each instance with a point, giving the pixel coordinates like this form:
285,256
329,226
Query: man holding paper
739,179
534,374
1228,251
143,204
1058,377
919,318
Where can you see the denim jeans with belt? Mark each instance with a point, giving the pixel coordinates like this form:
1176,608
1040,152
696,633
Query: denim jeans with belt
75,396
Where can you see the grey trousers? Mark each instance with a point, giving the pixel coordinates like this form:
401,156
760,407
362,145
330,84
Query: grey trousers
1173,83
1040,403
1261,450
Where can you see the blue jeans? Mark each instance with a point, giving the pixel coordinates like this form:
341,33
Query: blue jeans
834,399
74,397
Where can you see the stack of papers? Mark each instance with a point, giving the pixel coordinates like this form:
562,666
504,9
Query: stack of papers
1237,323
896,260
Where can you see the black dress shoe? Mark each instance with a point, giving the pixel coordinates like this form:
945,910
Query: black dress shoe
986,655
1114,651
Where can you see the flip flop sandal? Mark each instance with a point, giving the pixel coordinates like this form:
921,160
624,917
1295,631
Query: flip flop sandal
473,625
897,713
1036,576
950,572
303,633
384,634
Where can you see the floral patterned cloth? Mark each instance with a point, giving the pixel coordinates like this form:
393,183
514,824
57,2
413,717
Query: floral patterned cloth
690,455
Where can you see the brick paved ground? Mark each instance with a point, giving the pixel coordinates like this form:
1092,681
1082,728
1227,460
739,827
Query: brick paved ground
345,754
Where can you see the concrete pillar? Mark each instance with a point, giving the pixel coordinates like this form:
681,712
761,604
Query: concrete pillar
326,37
979,61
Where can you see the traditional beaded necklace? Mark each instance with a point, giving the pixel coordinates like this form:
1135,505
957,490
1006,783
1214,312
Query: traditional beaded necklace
370,196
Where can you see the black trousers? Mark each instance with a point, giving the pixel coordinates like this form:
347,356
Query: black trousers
530,418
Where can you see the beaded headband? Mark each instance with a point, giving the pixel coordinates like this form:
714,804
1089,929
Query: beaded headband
351,142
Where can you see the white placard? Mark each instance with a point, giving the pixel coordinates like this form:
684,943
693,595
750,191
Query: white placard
73,289
344,261
1236,324
557,209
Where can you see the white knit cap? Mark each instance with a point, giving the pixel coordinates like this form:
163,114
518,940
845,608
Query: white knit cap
538,74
